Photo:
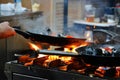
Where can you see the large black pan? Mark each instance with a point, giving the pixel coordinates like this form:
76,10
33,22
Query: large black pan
96,57
52,40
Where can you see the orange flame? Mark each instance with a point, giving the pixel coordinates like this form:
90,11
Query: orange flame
33,46
55,57
72,49
66,59
41,55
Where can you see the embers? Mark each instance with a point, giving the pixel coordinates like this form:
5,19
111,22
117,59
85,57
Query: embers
111,72
100,50
51,61
70,64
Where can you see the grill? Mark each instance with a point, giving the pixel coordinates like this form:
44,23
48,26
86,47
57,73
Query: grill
17,71
26,65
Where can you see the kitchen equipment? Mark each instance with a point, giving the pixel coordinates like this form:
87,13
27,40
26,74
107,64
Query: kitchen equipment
98,60
52,40
111,39
91,55
95,55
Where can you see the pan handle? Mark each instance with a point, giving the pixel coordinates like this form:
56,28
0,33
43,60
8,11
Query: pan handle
25,34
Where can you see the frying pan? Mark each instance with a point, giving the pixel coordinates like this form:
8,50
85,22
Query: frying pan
62,41
97,58
52,40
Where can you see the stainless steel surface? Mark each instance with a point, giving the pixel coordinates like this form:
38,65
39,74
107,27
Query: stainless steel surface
54,52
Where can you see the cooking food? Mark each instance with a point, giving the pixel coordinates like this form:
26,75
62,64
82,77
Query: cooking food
101,55
103,50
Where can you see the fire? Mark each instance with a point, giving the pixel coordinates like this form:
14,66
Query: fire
41,55
33,46
66,59
73,48
51,57
89,35
54,57
84,44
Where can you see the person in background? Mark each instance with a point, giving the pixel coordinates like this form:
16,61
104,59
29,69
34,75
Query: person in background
5,32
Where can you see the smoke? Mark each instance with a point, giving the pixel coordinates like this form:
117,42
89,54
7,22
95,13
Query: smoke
76,31
36,25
